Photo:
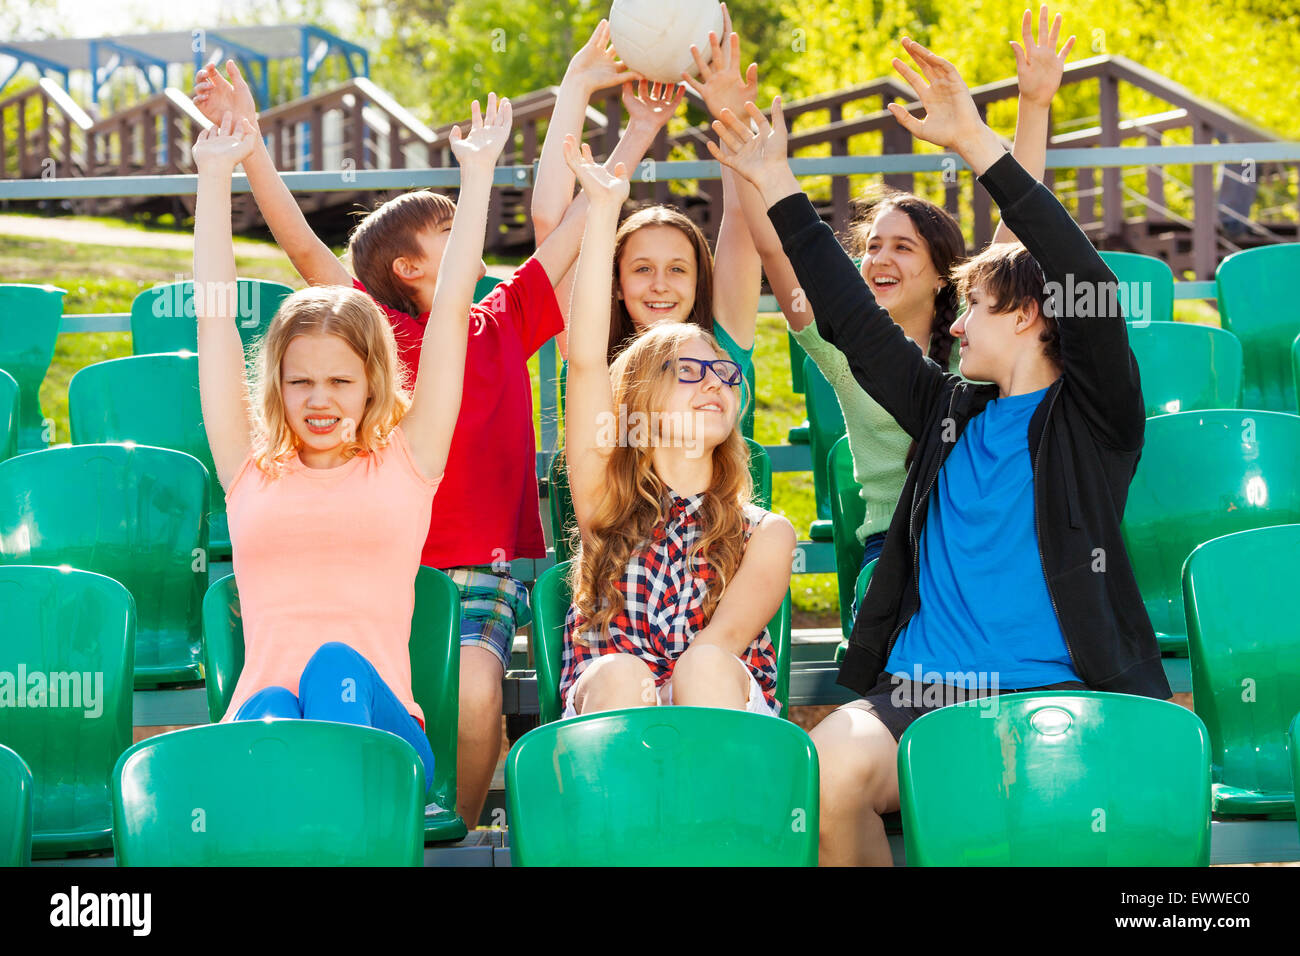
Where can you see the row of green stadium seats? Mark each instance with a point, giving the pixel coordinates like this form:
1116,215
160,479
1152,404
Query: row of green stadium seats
68,625
678,786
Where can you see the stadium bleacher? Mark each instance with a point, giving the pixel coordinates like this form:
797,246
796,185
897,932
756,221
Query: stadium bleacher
1209,470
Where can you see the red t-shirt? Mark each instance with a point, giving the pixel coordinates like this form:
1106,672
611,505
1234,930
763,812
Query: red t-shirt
487,509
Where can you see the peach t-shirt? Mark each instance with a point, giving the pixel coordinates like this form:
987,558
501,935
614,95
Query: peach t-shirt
328,554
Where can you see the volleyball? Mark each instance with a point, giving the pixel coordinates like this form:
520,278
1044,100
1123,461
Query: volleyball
654,37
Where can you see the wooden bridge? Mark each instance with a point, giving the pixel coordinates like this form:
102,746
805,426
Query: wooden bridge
357,126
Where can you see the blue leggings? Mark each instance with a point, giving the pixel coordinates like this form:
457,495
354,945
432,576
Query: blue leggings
341,685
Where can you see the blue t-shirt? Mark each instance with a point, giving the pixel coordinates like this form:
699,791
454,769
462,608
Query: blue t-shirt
984,601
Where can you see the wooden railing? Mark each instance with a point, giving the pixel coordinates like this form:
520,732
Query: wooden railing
357,126
42,133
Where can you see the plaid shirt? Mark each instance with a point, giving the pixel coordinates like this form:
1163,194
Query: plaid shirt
663,605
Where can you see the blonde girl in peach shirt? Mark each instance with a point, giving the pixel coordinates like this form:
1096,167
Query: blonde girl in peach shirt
331,464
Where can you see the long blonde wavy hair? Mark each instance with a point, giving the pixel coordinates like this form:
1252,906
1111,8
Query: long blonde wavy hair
636,498
354,317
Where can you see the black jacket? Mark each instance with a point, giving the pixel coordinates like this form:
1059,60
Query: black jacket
1085,438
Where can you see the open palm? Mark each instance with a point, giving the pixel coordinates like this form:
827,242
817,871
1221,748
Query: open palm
488,134
224,146
720,83
600,184
950,113
652,104
1038,66
215,95
756,156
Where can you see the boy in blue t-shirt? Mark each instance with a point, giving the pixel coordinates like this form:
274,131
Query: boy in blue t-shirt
1004,567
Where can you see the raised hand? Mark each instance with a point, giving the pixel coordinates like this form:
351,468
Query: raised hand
602,186
651,105
720,84
215,95
950,113
758,157
1038,66
222,147
596,64
488,134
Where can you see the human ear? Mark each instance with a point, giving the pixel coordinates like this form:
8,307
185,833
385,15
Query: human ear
404,268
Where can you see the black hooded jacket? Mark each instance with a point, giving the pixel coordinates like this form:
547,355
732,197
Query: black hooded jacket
1085,438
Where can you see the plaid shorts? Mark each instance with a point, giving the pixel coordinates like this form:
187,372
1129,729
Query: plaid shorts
492,607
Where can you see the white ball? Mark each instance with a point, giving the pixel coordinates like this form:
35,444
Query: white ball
654,37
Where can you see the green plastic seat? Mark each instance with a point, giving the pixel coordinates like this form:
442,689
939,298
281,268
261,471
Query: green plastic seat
15,809
1154,280
1294,735
483,288
848,511
1295,365
8,415
435,678
664,786
269,793
1244,642
1059,778
118,401
134,513
77,629
559,502
797,356
162,318
751,402
559,499
1186,367
760,472
551,598
1256,305
1203,475
825,428
30,316
860,588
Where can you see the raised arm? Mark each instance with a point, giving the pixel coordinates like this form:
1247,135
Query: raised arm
1095,356
737,270
589,400
215,95
435,406
1038,73
594,67
223,391
890,367
648,107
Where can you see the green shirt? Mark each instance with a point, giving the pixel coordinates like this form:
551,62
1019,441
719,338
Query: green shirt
878,444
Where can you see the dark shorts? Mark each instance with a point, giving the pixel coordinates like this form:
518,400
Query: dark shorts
896,701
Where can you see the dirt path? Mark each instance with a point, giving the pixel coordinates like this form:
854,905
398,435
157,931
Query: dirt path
71,229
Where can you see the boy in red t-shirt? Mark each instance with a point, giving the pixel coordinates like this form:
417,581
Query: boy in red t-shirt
486,512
